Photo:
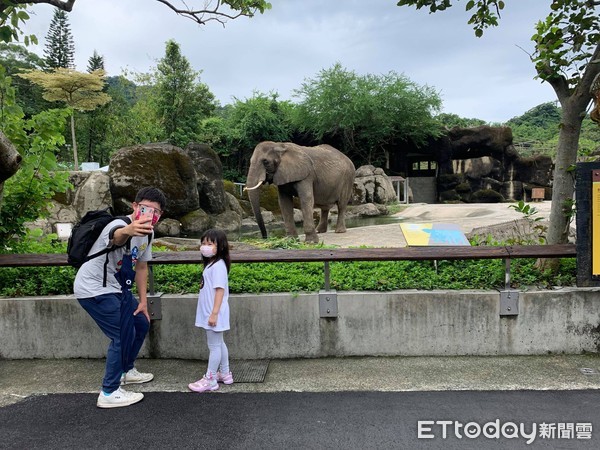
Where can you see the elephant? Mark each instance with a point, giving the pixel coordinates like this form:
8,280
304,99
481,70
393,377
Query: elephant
320,177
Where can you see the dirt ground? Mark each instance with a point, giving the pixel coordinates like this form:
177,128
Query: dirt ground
470,217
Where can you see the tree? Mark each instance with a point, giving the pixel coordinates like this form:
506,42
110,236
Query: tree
181,101
60,48
95,62
94,122
567,56
260,118
368,114
80,91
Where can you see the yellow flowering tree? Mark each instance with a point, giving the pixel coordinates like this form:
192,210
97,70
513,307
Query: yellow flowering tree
78,90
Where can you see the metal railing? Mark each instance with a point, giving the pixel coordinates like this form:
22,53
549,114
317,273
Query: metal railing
326,256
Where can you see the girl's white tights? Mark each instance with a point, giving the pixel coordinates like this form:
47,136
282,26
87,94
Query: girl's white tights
218,357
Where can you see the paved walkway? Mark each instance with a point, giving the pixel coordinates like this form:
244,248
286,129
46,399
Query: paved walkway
342,403
23,378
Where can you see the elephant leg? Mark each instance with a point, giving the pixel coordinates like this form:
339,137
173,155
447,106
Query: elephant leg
322,227
307,204
286,205
340,226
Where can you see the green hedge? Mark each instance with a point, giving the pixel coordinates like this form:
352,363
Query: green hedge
309,277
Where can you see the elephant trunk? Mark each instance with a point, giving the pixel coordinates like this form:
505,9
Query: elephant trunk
254,196
256,177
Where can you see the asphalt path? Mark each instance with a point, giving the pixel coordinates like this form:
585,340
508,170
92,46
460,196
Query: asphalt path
309,420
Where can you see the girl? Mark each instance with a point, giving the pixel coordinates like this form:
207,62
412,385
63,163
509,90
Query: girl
212,312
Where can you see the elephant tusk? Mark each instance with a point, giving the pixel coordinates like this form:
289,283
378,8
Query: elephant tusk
252,188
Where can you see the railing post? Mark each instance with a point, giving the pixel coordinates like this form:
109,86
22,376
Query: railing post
154,299
326,272
509,298
150,280
327,298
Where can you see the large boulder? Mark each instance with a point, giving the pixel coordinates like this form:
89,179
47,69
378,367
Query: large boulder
209,173
475,142
164,166
475,168
93,193
536,170
196,222
372,185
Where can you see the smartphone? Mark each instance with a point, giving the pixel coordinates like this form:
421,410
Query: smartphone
145,213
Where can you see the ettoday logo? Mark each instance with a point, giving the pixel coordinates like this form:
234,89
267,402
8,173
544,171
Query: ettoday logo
430,429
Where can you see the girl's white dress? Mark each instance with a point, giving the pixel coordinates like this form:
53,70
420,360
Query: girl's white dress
214,276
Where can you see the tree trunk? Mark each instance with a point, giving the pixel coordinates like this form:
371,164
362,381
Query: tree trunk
564,176
10,161
75,158
574,103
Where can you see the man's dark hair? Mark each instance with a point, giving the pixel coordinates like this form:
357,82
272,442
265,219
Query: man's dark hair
151,194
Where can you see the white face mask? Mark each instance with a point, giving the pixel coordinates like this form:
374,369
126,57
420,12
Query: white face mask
207,251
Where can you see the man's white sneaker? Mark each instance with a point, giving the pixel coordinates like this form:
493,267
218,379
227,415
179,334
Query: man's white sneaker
118,398
135,377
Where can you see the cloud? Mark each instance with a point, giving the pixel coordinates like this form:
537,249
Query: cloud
489,78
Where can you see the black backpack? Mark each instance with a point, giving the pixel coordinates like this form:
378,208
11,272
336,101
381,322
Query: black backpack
86,232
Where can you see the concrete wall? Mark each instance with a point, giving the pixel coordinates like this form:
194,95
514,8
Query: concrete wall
288,326
424,189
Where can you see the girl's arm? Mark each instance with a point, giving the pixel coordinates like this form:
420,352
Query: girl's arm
219,294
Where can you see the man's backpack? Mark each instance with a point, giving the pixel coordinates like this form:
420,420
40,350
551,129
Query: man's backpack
86,232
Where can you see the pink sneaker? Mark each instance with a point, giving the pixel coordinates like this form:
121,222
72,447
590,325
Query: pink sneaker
225,379
204,384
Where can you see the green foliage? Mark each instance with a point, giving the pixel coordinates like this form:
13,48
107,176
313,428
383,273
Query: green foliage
117,124
308,277
529,214
536,132
565,41
12,16
302,277
367,113
241,126
15,58
27,194
181,102
453,120
486,12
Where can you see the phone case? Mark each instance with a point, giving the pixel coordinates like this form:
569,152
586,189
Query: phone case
145,213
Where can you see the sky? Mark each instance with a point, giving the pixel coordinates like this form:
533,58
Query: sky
489,78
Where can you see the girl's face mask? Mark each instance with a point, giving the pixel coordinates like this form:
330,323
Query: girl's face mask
208,251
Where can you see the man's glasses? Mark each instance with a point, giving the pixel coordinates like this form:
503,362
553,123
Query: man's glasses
157,212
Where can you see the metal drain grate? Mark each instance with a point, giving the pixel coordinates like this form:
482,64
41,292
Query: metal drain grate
249,371
589,371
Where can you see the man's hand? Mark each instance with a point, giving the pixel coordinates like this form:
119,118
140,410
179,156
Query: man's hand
142,308
140,227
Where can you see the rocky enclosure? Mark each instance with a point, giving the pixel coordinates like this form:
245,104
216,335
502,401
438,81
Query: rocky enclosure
192,179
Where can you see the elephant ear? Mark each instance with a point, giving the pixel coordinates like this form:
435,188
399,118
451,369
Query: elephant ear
295,165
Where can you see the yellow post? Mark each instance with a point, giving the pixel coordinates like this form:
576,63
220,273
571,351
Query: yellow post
595,222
